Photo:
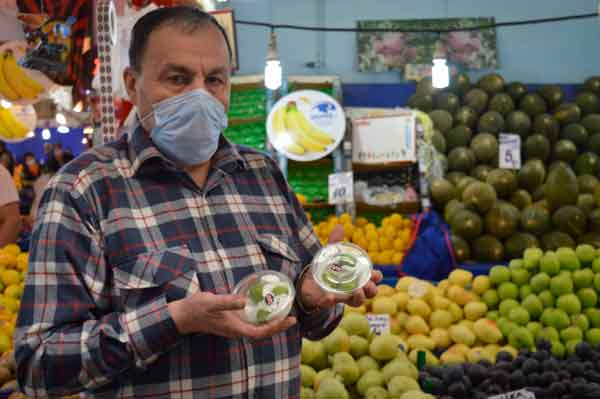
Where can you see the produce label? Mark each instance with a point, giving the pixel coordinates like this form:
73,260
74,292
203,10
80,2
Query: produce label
306,125
341,188
510,151
520,394
384,139
379,323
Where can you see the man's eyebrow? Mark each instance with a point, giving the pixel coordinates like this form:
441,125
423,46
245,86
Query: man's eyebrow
222,70
176,68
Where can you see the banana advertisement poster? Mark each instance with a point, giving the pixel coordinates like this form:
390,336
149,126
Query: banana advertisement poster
306,125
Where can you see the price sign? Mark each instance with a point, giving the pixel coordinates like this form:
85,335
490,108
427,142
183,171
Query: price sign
379,323
510,151
389,138
341,188
520,394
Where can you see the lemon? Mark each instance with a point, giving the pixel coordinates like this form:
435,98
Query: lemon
22,260
7,328
11,304
10,277
12,249
14,291
5,343
345,218
397,258
373,246
8,260
361,222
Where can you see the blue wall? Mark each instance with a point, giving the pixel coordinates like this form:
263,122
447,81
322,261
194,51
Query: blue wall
565,52
71,141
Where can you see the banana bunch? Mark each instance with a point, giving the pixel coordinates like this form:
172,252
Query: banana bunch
10,127
295,134
15,84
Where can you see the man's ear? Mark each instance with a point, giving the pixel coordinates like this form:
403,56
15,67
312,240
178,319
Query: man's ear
130,78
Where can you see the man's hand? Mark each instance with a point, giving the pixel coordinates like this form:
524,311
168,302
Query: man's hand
312,296
207,313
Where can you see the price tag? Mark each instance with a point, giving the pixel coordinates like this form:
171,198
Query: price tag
520,394
510,151
379,323
341,188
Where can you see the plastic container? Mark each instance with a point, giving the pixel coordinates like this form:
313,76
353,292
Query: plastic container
341,269
270,296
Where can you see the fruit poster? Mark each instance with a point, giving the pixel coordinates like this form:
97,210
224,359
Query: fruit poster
393,51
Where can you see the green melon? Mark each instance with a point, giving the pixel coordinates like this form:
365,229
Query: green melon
535,220
488,248
516,90
593,144
455,177
476,99
447,101
479,196
422,102
503,181
546,125
588,102
565,150
518,122
537,147
532,175
451,208
466,116
460,84
586,203
485,147
586,183
462,251
491,83
576,133
593,84
458,136
561,187
591,123
491,122
533,104
594,220
567,113
557,239
466,224
442,191
481,172
502,103
587,163
553,95
518,243
438,141
442,120
570,219
461,159
501,221
521,199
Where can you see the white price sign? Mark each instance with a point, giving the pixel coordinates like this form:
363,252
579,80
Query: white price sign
379,323
341,188
384,139
520,394
510,151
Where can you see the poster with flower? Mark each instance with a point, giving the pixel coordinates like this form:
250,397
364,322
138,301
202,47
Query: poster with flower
392,51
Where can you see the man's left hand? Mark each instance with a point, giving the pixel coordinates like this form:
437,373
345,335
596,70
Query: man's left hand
312,296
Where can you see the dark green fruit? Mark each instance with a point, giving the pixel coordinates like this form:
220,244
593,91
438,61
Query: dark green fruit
502,103
488,249
561,187
462,185
591,123
532,175
553,95
460,84
590,238
479,196
518,122
477,99
502,220
491,122
422,102
594,220
492,83
535,220
442,120
425,87
461,159
451,208
586,203
516,90
588,102
533,104
567,113
521,199
548,126
438,141
481,172
448,102
593,84
466,116
565,150
557,239
518,243
503,181
485,147
586,183
593,144
537,147
459,136
570,219
442,191
462,251
467,224
587,163
576,133
455,177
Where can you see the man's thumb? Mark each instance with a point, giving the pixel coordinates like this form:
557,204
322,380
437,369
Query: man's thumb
337,234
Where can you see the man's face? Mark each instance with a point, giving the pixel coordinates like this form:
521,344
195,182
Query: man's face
175,62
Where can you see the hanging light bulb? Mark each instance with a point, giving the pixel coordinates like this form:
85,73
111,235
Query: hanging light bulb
61,119
440,73
63,129
84,140
31,134
273,72
46,134
5,104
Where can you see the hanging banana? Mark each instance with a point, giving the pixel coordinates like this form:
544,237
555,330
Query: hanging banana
18,80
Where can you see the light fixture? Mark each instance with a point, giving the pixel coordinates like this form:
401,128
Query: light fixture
31,134
61,119
88,130
46,134
440,73
5,104
63,129
84,140
273,72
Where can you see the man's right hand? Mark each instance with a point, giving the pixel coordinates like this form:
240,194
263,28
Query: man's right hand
207,313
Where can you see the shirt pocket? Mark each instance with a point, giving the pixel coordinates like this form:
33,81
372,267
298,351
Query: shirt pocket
170,272
280,254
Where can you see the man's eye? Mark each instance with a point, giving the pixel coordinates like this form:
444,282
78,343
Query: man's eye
213,80
178,79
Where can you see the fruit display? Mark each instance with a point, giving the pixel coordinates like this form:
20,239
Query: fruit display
496,213
250,134
247,114
15,83
385,244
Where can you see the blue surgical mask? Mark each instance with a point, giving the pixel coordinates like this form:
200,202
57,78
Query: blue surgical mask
187,127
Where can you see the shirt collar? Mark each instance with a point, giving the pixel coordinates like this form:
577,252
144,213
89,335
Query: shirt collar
142,153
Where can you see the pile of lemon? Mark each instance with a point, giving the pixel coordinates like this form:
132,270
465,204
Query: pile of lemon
13,267
386,244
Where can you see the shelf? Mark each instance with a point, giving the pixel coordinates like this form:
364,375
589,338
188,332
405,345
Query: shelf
327,161
317,205
238,122
403,208
365,167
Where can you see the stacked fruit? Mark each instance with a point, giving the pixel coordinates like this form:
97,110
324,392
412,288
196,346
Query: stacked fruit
386,244
13,266
498,209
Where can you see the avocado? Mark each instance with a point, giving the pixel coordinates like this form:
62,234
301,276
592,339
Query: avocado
502,220
591,123
492,83
588,102
535,220
567,113
533,104
593,84
537,147
461,159
586,183
458,136
466,116
565,150
476,99
422,102
587,163
570,219
462,251
481,172
553,95
518,243
561,187
502,103
447,101
532,175
548,126
576,133
485,147
491,122
479,196
503,181
466,224
442,191
516,90
557,239
488,248
518,122
442,120
521,199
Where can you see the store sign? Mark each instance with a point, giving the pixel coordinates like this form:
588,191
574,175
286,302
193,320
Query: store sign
520,394
384,139
341,188
509,151
379,323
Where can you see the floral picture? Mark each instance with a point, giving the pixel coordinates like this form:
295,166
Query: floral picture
392,51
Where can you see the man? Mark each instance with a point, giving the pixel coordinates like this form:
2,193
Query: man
139,244
10,217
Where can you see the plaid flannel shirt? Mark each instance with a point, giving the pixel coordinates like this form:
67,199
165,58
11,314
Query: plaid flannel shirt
121,232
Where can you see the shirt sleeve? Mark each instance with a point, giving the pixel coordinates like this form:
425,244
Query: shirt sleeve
8,193
68,339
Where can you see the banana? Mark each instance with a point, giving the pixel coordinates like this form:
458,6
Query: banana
282,136
16,129
5,90
308,128
5,130
18,80
299,136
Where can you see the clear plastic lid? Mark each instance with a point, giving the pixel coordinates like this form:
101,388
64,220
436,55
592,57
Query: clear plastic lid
341,268
270,296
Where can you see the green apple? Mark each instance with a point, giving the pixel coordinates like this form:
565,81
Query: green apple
499,275
593,315
532,257
492,315
597,282
571,345
588,297
516,264
490,298
508,290
547,298
569,303
581,321
525,291
561,285
534,306
556,318
596,264
539,282
520,337
593,336
534,327
519,315
519,276
548,334
558,349
585,253
506,326
506,306
549,264
568,259
571,333
583,278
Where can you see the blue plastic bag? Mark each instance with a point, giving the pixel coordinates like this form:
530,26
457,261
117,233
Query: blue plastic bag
431,256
